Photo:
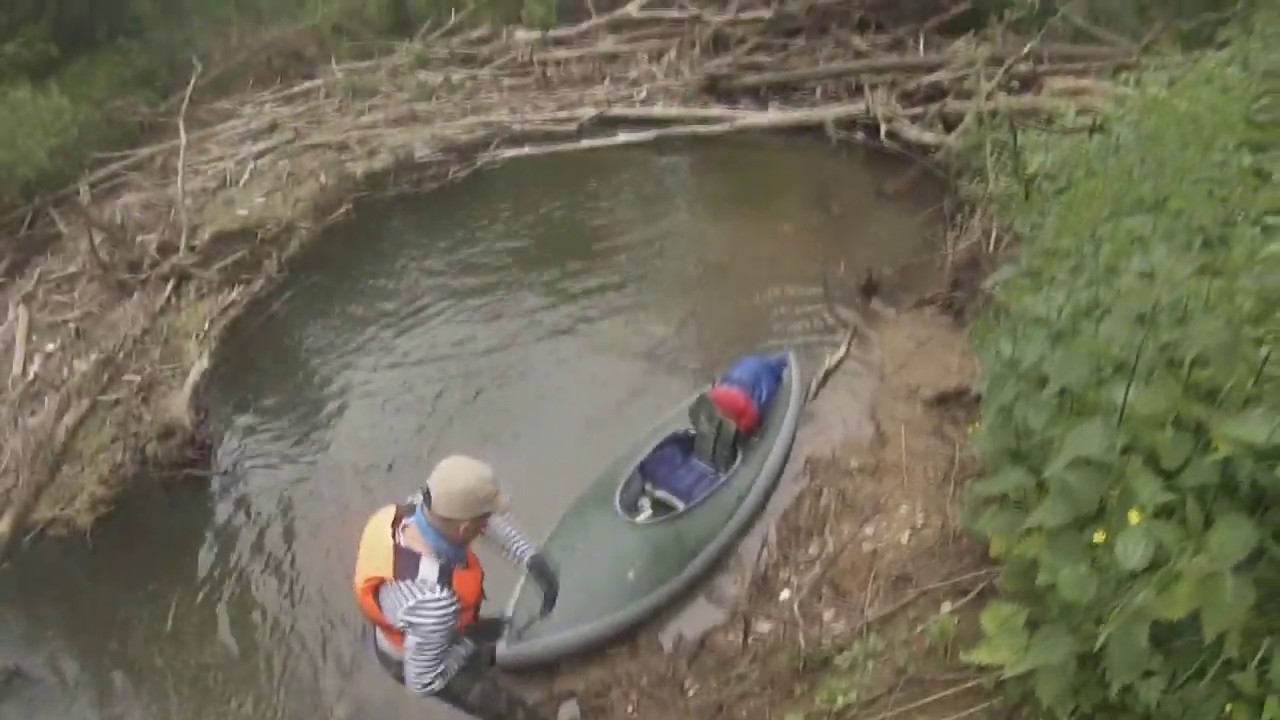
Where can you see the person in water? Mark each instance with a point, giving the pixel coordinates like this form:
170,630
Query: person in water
420,584
744,390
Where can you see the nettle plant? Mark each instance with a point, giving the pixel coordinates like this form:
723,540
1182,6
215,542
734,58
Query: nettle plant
1131,408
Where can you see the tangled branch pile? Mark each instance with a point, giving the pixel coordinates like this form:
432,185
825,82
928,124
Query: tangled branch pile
119,286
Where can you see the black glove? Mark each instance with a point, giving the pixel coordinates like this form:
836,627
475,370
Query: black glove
484,656
541,572
484,634
486,631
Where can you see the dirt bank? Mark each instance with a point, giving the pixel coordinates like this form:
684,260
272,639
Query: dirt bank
867,583
118,288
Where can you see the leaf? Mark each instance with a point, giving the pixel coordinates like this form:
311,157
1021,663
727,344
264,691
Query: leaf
1071,368
1232,641
1135,548
1030,546
999,545
1148,487
1088,439
1127,652
1151,690
994,280
1195,516
1157,398
1174,448
1018,575
1052,644
1225,600
1001,520
1055,510
1243,710
1256,427
1001,616
1059,549
1200,472
1077,584
1053,686
1005,635
1246,681
1271,708
1231,539
1086,485
1273,676
1005,482
1179,599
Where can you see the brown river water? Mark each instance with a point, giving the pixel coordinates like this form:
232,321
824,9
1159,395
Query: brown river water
537,315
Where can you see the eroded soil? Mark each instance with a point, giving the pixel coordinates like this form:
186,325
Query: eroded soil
867,587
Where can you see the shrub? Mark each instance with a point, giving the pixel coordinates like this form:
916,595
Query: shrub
1131,407
35,125
76,78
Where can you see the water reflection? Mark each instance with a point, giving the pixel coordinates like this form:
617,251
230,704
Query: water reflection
538,316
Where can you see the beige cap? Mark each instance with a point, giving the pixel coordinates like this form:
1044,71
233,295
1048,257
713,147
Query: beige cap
463,488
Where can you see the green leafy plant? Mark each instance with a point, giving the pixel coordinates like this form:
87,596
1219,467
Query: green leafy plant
941,633
76,77
1131,407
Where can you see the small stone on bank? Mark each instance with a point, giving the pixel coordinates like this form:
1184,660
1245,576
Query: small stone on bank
569,710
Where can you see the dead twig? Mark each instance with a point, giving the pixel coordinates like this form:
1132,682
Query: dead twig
953,12
867,596
971,711
904,456
925,701
832,363
956,605
21,330
182,157
834,551
951,490
911,598
1098,32
906,63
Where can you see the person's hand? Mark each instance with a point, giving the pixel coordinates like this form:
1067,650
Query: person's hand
486,631
541,572
484,656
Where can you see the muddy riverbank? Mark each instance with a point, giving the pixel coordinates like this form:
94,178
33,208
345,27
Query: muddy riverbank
866,584
119,288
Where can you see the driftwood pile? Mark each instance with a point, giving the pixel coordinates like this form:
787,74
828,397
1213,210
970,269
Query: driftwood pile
118,287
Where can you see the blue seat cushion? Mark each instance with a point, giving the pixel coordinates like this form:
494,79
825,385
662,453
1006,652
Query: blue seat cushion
673,469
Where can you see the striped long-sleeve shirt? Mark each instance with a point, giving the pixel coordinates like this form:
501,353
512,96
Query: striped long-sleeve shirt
428,613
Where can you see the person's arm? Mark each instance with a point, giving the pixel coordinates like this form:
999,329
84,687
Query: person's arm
519,548
504,531
433,652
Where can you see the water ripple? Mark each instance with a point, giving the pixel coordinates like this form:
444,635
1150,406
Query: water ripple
537,315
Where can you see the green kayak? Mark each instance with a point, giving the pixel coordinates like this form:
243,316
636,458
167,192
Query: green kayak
654,523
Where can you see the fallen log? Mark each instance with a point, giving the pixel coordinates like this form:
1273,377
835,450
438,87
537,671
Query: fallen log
906,63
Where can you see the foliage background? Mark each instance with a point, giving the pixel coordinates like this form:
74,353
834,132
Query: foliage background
82,76
1131,407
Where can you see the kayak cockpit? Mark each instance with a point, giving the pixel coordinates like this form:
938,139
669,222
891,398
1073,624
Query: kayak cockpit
683,468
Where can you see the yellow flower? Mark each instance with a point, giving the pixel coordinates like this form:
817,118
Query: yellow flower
1135,516
1099,536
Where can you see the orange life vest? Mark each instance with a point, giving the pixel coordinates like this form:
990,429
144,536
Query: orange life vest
381,559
